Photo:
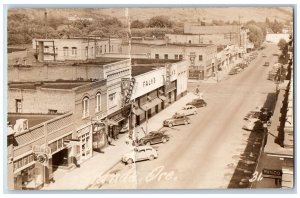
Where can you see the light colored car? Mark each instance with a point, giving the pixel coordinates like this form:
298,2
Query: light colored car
140,153
188,110
253,124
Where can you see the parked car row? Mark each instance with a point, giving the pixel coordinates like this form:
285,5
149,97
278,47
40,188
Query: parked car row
257,119
144,151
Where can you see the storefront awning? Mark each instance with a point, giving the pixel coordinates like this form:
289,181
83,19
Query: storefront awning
119,119
151,104
163,97
137,111
112,122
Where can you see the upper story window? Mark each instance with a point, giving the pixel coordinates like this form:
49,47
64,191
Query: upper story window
166,56
18,105
100,49
105,48
112,101
180,57
156,56
200,57
46,49
86,51
176,56
85,107
190,42
74,51
66,51
92,51
98,102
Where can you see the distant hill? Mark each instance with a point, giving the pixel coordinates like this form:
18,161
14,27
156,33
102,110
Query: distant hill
176,14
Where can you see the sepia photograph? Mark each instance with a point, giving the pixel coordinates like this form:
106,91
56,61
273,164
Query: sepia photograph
179,97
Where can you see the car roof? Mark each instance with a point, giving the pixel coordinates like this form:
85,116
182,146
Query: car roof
144,147
189,106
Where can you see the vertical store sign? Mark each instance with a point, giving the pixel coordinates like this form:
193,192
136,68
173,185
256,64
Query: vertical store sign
168,77
127,85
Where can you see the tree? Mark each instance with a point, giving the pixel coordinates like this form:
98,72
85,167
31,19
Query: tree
256,35
160,22
283,46
137,24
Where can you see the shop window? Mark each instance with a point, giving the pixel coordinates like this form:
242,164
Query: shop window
156,56
18,105
166,56
98,102
200,57
74,51
66,50
85,107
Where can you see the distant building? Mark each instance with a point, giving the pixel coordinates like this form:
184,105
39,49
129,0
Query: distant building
275,38
76,49
197,33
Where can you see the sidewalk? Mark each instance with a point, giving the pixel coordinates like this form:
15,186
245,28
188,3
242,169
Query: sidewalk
222,74
89,171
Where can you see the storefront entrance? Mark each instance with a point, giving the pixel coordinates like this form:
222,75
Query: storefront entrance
60,159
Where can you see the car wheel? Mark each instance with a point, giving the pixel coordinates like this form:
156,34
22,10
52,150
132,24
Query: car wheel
186,122
148,143
130,161
151,157
164,140
170,124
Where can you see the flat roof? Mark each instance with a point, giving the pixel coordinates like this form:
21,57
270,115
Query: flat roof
48,84
33,119
138,70
170,44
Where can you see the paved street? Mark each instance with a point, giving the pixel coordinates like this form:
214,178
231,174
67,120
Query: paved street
199,155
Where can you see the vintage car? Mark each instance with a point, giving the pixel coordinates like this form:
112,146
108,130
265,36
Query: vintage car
140,153
153,137
177,119
188,110
198,103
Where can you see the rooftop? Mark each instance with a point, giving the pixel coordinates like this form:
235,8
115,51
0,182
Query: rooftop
63,84
140,66
33,119
170,44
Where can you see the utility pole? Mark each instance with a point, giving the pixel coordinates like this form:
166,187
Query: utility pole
46,24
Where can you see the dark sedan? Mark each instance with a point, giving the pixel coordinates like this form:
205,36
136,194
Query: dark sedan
198,103
153,137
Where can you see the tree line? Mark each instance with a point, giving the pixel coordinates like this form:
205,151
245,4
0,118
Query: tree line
22,29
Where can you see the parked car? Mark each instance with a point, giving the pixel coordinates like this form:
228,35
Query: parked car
253,124
188,110
198,103
153,137
263,55
177,119
140,153
233,71
252,114
267,64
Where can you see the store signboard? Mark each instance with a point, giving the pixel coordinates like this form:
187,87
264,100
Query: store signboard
41,154
168,78
272,173
127,85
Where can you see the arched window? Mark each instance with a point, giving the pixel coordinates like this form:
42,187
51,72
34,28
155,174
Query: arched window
98,102
85,107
